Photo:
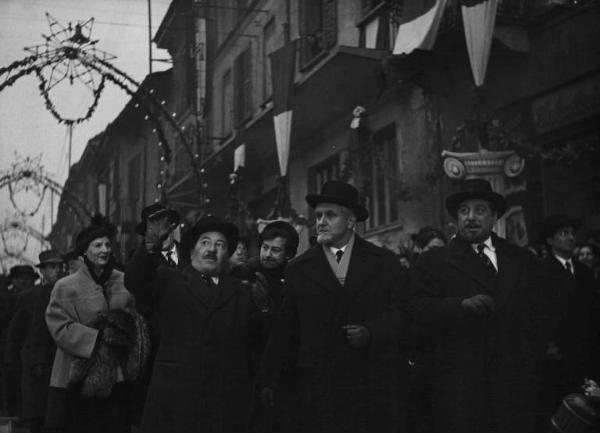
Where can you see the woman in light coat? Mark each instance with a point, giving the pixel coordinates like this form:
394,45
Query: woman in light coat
76,301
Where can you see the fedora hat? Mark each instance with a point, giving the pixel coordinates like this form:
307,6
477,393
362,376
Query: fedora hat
554,222
49,256
154,211
475,189
18,271
210,224
340,193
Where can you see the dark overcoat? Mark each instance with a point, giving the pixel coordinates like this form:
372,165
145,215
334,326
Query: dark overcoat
28,346
485,367
202,375
341,389
573,327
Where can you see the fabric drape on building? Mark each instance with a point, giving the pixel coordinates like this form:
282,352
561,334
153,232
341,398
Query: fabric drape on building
283,62
479,17
420,23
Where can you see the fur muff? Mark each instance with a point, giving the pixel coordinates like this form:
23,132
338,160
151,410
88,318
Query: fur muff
123,342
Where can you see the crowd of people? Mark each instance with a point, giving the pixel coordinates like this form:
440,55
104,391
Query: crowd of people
463,335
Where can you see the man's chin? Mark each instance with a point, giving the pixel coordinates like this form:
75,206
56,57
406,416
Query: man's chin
324,239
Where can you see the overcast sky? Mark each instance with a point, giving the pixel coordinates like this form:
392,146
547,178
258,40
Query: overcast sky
26,127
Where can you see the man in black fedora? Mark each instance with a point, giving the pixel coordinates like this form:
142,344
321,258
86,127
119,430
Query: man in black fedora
29,347
571,346
170,248
342,315
476,295
202,376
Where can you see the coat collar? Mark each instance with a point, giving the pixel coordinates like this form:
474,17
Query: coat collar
463,257
364,261
199,290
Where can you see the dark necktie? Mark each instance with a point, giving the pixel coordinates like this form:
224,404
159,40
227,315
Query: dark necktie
486,260
170,261
338,255
569,269
207,279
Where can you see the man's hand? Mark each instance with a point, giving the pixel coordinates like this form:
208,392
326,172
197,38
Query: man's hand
267,397
479,305
358,336
157,230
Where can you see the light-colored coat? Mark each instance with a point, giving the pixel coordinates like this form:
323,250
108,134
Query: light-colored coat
74,301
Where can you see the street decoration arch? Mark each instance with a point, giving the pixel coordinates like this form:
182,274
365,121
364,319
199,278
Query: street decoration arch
70,54
27,174
15,235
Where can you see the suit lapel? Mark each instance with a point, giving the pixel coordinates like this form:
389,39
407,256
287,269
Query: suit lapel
464,259
225,290
196,287
316,268
361,267
508,273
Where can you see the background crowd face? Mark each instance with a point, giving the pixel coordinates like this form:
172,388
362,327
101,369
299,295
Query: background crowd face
98,251
562,242
334,224
23,282
209,255
273,252
52,272
475,219
587,256
240,255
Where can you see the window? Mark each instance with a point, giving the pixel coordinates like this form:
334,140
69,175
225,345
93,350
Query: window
318,28
380,182
268,48
242,71
327,170
378,30
226,104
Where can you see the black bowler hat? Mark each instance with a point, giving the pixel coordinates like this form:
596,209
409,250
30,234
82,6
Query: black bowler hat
49,256
475,189
19,271
555,222
210,224
154,211
340,193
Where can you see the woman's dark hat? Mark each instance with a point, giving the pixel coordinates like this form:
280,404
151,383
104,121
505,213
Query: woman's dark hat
154,211
99,228
475,189
340,193
19,271
210,224
48,257
555,222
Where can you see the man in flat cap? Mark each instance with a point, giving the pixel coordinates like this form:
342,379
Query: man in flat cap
342,315
477,294
29,347
571,347
201,378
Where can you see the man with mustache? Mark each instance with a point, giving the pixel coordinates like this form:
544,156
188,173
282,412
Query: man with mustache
572,344
208,322
479,298
342,316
